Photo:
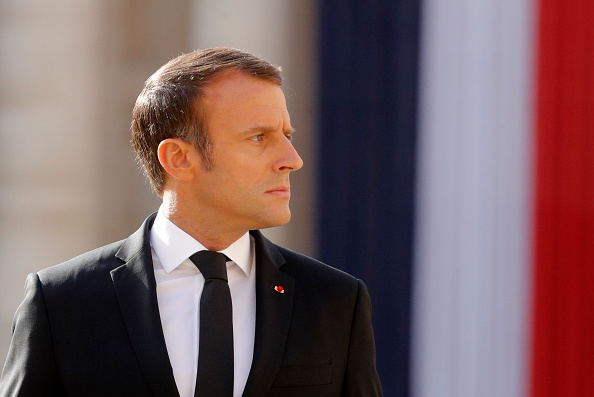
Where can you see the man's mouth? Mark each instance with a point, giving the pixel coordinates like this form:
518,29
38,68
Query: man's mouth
281,191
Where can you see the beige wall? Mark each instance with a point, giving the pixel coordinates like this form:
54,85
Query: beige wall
70,72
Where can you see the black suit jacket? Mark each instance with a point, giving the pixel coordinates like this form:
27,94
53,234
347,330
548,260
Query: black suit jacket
91,327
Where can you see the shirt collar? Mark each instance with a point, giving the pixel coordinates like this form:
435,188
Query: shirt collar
173,246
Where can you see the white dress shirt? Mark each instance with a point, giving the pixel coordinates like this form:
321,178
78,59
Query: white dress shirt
179,287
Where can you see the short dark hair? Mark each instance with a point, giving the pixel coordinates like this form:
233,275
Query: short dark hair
169,106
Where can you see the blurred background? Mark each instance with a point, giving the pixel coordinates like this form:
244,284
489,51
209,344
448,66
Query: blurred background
448,163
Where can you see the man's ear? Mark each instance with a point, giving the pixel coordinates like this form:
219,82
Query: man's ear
178,158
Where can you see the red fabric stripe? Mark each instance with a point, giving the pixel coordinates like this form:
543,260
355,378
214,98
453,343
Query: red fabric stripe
563,323
586,362
587,328
545,206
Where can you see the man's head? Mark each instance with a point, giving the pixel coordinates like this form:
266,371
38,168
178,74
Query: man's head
213,133
171,103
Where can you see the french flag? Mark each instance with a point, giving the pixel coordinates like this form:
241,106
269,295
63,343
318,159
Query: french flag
456,158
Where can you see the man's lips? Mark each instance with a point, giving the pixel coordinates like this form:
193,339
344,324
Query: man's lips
281,191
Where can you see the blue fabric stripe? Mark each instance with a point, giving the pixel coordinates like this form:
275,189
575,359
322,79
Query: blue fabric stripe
367,138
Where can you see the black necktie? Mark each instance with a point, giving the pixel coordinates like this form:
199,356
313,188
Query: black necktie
215,357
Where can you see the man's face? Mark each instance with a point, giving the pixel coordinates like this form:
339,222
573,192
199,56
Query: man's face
250,129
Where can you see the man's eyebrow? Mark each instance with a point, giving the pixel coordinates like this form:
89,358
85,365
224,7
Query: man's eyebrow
259,128
267,129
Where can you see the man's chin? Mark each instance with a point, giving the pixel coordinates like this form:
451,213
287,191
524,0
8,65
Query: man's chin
279,219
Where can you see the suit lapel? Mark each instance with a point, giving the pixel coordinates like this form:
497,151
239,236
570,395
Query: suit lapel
273,315
135,287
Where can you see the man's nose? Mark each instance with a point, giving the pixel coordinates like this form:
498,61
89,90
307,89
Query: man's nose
289,159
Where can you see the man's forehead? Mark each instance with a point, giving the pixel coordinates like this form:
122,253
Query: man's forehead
239,85
238,103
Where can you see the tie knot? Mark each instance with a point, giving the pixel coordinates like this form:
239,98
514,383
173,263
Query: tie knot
211,264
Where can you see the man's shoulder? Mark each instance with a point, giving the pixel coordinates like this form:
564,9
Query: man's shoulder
98,260
301,266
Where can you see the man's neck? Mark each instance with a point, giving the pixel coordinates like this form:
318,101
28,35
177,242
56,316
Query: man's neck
203,230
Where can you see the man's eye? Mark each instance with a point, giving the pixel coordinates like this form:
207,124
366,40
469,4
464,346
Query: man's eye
289,137
257,138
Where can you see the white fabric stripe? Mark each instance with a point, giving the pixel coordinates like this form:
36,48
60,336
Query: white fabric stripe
470,313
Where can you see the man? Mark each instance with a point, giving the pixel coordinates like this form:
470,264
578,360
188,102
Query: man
144,316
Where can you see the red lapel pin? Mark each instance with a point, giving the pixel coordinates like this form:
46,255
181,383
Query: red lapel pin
279,289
